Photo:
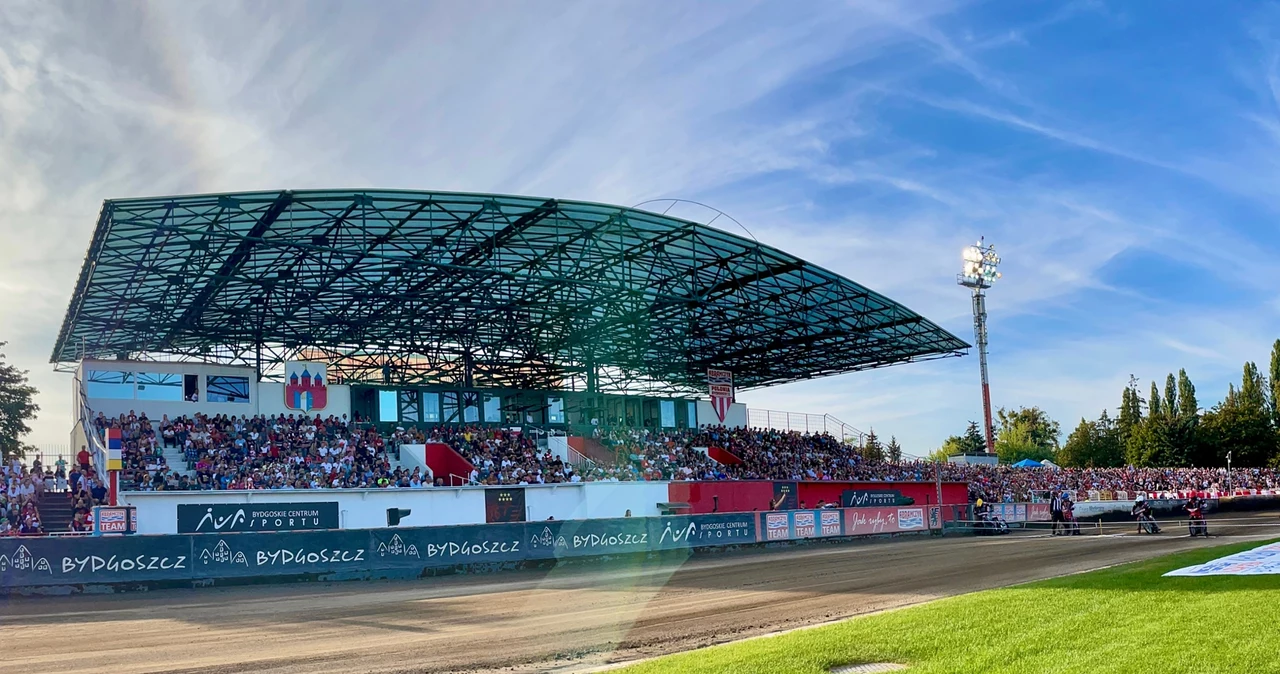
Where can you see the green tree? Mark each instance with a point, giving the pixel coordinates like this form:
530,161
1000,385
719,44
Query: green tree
893,450
1130,410
872,450
1093,443
1240,424
941,454
972,442
1028,433
1153,403
1275,384
17,407
1188,406
1170,404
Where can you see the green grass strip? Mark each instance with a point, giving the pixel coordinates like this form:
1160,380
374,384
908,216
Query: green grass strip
1124,620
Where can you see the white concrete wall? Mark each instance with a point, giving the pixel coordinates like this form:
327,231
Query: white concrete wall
367,508
264,397
415,456
734,418
271,400
558,445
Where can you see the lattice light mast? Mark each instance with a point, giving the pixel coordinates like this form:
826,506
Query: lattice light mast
980,262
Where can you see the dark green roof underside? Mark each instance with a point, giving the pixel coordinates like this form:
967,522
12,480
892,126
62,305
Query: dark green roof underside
405,286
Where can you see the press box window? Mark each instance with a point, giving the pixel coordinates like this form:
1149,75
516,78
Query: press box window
227,389
106,384
159,386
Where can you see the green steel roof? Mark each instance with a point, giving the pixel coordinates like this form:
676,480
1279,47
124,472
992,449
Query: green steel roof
476,289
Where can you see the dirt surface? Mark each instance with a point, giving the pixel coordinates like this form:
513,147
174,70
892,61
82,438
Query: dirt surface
563,619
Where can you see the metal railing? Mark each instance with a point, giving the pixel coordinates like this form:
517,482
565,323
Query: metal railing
94,441
803,423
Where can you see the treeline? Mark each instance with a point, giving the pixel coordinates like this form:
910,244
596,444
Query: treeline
1164,427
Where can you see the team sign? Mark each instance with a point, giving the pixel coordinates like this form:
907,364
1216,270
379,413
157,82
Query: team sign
226,517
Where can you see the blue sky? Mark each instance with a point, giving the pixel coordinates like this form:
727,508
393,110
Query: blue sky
1122,156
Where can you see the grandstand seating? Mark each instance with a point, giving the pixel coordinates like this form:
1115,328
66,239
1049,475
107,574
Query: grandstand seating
287,452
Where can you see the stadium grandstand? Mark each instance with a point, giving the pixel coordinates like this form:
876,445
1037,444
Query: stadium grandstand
303,340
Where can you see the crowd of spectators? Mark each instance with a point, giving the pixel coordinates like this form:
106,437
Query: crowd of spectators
224,452
301,452
23,488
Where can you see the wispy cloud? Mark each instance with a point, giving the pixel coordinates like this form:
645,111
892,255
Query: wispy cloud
872,138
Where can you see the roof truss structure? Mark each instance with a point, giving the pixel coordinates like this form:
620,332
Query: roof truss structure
471,289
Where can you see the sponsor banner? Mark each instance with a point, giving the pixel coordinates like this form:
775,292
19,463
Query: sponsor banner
73,561
829,523
871,498
504,505
1039,512
115,519
935,517
447,546
720,385
689,531
910,518
279,554
805,523
777,526
1256,562
867,521
579,538
224,518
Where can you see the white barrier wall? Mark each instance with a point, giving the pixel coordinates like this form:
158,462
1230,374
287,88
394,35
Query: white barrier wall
735,417
434,506
264,397
271,400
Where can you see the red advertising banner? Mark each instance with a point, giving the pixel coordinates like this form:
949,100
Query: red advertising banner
868,521
1038,512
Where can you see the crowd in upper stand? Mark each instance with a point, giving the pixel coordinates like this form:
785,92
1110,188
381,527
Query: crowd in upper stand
300,452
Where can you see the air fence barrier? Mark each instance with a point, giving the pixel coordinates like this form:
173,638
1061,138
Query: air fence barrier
65,565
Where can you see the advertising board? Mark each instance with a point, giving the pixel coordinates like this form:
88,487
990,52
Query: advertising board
236,517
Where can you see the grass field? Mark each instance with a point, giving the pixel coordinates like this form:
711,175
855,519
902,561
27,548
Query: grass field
1126,620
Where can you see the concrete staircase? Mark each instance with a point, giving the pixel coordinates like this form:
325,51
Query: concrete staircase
55,512
176,459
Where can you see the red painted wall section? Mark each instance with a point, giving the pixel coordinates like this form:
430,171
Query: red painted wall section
723,456
444,461
752,495
734,496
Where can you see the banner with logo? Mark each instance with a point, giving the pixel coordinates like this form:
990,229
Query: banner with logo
1256,562
229,517
720,383
504,505
871,498
305,386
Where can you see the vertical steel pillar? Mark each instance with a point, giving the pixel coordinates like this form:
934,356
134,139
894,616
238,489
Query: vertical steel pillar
980,336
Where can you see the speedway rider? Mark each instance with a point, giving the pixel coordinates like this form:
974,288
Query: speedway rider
1195,517
1142,512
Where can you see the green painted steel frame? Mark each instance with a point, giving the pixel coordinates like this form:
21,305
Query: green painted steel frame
473,290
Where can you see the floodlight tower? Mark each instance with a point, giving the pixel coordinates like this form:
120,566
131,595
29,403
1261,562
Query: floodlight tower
980,262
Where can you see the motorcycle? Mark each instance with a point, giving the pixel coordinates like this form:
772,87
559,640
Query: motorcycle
1196,523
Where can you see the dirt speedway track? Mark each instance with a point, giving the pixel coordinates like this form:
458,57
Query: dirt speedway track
562,619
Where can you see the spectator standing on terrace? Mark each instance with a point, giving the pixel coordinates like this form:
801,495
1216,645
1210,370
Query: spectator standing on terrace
82,458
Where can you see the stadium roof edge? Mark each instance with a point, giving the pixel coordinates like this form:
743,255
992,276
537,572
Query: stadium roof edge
586,285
